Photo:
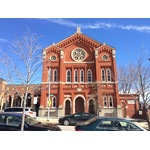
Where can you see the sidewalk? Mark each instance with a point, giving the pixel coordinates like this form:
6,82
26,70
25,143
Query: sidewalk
141,122
45,119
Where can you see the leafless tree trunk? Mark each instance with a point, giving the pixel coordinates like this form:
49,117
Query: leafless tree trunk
21,62
126,78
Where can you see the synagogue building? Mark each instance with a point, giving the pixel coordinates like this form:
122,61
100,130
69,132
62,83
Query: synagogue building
79,75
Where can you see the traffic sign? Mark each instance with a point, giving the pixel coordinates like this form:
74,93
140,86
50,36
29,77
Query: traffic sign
49,102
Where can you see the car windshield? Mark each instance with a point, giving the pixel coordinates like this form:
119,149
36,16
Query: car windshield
31,121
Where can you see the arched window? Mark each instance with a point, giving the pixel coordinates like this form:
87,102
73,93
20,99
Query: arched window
105,101
76,76
89,75
50,75
103,75
68,75
55,76
82,76
108,75
54,102
110,101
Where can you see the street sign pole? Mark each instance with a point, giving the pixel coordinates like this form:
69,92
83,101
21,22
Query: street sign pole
49,76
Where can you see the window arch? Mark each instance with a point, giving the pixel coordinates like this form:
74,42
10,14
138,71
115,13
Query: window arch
81,75
110,101
108,75
76,76
89,75
103,75
68,75
55,75
105,103
54,102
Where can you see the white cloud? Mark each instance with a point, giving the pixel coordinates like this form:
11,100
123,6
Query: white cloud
99,25
3,40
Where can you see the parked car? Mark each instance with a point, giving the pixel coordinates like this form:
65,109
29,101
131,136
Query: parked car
74,118
12,122
108,124
28,110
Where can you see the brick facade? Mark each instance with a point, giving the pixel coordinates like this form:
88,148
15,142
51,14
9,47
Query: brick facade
82,75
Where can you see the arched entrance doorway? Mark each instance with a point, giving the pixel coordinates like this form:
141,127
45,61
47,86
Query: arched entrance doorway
91,107
67,108
79,105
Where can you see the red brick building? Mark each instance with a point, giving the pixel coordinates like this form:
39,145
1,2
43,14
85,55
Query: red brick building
13,95
80,74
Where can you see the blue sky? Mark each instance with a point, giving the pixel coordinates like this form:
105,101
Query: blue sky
127,35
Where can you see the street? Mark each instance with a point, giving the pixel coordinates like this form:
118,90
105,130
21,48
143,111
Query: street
66,128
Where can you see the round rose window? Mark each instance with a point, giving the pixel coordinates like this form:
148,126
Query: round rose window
105,57
78,54
53,58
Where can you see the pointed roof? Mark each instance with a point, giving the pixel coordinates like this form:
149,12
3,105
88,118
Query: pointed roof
78,36
104,44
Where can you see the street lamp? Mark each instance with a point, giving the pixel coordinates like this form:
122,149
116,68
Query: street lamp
49,100
49,77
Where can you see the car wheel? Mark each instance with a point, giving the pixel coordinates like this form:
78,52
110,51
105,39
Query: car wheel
66,122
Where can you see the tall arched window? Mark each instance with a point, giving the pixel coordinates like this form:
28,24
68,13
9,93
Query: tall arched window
105,101
50,75
54,102
55,76
110,101
68,75
82,76
76,76
108,75
103,75
89,75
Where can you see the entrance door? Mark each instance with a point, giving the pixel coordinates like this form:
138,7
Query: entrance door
79,105
67,108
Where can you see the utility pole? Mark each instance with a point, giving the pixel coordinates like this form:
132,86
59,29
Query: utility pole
49,100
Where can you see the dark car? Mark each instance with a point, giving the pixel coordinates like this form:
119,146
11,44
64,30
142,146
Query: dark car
74,118
108,124
12,122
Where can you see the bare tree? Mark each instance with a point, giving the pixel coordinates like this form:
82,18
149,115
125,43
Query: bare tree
142,83
22,61
126,78
136,78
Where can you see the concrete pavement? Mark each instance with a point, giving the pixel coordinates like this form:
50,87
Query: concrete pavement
50,120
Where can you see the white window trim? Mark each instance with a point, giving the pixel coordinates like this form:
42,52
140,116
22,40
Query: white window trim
55,71
67,76
89,70
112,101
75,75
53,101
108,71
81,75
104,102
104,75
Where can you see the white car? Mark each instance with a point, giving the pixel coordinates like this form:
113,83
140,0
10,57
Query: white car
28,110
